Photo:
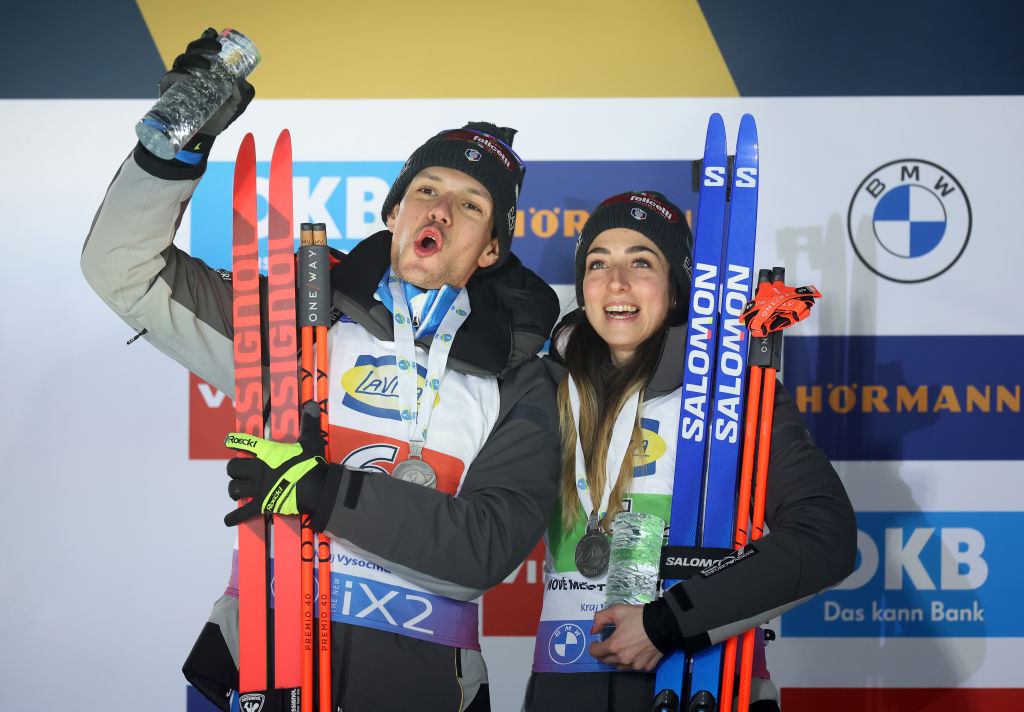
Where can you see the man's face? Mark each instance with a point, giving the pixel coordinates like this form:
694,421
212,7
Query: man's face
442,229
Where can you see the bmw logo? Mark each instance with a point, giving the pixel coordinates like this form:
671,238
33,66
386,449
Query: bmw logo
909,220
567,643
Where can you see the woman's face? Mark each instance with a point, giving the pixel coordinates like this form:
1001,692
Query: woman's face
626,293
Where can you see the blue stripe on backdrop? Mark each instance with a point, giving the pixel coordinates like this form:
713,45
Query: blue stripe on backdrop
63,49
58,49
923,575
909,397
346,195
870,47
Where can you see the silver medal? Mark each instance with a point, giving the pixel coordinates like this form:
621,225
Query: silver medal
416,471
593,551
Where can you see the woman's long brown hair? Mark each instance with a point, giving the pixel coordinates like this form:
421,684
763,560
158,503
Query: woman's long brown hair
603,391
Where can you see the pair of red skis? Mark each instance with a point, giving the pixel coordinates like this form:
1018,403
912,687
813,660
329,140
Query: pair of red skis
277,642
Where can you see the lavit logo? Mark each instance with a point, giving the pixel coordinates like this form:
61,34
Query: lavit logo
654,448
371,387
909,220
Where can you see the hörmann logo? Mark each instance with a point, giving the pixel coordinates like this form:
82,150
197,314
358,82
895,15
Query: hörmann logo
896,397
843,398
909,220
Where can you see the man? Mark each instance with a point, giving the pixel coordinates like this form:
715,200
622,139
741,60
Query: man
489,434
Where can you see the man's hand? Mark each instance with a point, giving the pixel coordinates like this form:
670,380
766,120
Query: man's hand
197,58
274,476
628,648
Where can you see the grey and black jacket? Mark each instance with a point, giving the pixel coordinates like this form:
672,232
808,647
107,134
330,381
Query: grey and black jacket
811,540
462,545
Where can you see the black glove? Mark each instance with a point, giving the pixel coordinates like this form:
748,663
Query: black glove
283,478
197,58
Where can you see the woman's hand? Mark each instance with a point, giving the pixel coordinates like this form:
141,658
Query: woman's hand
628,648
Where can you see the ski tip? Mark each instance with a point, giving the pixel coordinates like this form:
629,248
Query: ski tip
714,141
283,138
748,124
247,147
716,125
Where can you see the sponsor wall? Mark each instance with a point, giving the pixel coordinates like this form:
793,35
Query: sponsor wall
901,211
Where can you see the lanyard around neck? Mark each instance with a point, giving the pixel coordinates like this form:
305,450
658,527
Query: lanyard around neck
415,406
618,448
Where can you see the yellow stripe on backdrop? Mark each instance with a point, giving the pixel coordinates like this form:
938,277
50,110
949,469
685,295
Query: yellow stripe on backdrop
461,48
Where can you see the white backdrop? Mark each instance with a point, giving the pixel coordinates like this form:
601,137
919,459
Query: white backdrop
113,545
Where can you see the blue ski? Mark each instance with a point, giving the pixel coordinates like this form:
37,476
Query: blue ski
708,449
697,378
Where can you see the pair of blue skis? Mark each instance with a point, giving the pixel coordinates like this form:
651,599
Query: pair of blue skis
712,408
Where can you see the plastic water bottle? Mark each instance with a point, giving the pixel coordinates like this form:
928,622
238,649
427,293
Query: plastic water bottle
188,104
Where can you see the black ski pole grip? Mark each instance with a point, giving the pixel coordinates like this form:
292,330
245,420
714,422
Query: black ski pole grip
779,275
666,701
703,701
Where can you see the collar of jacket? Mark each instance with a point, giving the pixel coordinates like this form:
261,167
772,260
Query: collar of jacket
668,371
513,310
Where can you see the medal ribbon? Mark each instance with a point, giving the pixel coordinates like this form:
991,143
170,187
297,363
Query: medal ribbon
416,411
617,449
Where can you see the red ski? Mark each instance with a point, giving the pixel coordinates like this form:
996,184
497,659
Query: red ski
282,346
270,655
252,557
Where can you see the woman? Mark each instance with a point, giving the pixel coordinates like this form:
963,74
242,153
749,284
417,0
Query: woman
619,363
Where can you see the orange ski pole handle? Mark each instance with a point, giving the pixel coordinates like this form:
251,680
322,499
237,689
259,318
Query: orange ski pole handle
324,541
776,306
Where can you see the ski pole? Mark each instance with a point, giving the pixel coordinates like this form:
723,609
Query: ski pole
308,364
314,263
750,432
772,352
324,541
